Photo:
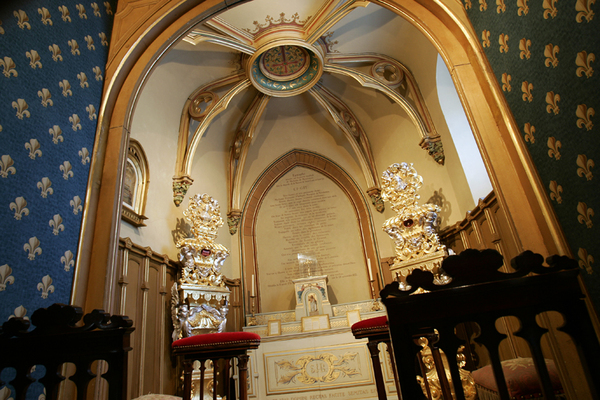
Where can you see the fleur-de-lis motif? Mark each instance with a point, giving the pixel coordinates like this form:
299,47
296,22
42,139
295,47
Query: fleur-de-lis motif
74,47
66,16
34,59
45,286
91,111
555,191
32,248
56,53
108,8
46,97
584,64
75,122
549,8
526,88
22,19
584,116
585,214
506,78
468,4
485,38
482,5
585,167
22,108
96,9
45,16
66,87
103,39
5,277
45,185
56,224
529,131
503,42
585,260
68,260
501,6
551,52
20,312
81,10
552,101
554,146
19,206
56,133
6,166
66,169
524,47
9,67
34,148
523,7
83,80
85,155
76,204
90,42
97,73
584,8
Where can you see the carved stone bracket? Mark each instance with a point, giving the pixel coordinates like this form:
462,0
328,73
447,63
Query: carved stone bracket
376,199
233,220
180,187
434,147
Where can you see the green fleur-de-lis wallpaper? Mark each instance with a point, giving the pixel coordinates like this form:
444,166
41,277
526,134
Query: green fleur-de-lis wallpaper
53,55
544,55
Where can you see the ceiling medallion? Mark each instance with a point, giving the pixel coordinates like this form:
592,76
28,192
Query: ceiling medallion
285,70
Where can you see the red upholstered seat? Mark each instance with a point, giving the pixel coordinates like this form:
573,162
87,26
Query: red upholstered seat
370,324
521,379
216,346
217,339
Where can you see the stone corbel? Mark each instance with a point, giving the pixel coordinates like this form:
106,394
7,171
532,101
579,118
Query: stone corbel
181,184
375,195
233,220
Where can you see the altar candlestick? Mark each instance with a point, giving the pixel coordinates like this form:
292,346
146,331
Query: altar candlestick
370,272
253,286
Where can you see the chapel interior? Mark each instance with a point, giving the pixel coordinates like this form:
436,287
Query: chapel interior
289,115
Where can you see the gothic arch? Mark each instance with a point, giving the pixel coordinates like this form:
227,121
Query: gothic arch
270,176
137,46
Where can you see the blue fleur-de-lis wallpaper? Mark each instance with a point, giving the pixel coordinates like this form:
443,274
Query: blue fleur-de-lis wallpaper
53,55
544,55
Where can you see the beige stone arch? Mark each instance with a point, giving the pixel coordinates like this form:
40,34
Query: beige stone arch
143,31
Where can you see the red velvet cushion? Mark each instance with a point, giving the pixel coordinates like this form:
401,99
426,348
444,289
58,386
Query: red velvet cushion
371,323
521,378
209,339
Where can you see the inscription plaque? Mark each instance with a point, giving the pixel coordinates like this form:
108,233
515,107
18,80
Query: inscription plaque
306,212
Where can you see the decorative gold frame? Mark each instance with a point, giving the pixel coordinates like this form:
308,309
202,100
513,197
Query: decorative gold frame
133,211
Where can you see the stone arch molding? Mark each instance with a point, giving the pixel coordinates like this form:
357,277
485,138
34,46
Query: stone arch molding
135,51
270,176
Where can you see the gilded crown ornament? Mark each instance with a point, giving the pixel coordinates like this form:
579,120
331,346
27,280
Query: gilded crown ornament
413,228
200,298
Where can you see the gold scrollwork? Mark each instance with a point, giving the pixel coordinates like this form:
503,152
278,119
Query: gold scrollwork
324,367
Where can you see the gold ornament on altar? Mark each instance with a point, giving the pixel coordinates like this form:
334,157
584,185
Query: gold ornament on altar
413,228
200,298
202,258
